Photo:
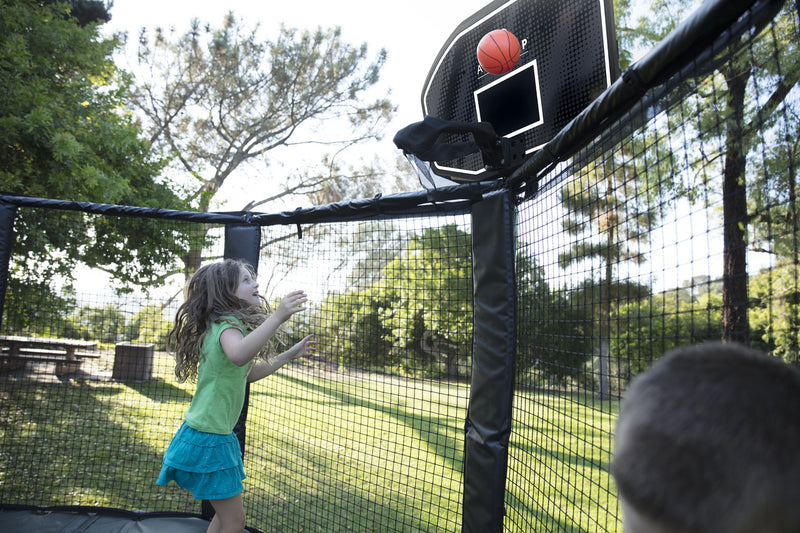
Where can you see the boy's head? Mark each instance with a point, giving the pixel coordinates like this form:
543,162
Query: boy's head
708,440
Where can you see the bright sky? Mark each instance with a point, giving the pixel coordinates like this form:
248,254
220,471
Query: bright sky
412,32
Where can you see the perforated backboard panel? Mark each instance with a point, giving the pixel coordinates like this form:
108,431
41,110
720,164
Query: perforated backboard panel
569,56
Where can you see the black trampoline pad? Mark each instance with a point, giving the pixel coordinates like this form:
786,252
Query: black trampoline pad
15,521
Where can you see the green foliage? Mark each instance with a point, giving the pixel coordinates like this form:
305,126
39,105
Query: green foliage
350,331
33,308
109,325
65,134
64,131
105,324
645,330
612,206
431,280
150,326
91,11
37,309
775,311
554,336
414,318
739,123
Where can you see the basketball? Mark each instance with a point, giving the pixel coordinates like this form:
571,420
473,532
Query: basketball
498,51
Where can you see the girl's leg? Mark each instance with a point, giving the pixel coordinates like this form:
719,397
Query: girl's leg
229,517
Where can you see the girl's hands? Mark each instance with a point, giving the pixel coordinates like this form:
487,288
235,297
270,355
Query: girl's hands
241,349
262,369
292,303
304,348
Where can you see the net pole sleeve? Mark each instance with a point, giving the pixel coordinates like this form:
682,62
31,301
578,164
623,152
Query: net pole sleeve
8,213
243,242
488,424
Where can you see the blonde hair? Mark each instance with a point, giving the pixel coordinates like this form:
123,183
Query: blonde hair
210,297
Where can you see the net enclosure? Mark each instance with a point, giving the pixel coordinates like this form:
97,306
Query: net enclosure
474,340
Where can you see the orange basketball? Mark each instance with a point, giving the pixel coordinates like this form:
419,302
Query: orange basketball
498,51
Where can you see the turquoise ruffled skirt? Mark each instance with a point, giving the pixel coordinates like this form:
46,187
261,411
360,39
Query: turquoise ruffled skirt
206,464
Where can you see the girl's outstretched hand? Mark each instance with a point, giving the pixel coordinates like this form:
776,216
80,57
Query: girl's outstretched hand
305,348
292,303
262,369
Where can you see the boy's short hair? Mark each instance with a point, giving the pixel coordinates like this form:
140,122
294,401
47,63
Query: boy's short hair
708,439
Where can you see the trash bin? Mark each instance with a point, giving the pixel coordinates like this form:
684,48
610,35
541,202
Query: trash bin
133,361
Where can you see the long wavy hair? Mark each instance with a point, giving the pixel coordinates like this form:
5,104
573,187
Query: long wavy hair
211,297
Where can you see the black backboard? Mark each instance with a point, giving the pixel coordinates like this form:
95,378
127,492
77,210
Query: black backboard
569,56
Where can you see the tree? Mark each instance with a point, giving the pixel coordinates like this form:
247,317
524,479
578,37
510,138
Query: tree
553,334
775,310
416,316
64,134
646,329
106,324
609,215
86,12
737,107
775,222
351,331
350,324
32,309
220,99
151,326
431,285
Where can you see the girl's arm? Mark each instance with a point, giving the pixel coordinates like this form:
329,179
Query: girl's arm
262,369
242,349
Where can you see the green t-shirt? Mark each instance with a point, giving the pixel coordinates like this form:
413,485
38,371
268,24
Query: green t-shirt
219,397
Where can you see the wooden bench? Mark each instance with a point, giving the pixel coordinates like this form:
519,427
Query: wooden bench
68,354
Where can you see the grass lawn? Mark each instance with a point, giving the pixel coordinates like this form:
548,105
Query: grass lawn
325,452
559,462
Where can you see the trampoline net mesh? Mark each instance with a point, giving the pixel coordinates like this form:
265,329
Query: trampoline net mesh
678,224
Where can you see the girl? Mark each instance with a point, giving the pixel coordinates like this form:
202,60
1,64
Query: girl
222,338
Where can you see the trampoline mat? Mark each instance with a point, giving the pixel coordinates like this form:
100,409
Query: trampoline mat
53,521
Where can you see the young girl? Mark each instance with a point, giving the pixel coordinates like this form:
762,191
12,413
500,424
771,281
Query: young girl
222,338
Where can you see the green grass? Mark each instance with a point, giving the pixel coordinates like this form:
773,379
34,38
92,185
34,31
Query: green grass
559,463
326,452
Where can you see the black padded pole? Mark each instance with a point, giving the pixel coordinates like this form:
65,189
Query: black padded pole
488,424
244,243
8,213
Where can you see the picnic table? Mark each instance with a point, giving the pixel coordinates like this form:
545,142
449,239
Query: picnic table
68,354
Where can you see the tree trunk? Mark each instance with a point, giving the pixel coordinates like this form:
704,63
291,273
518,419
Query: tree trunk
605,316
735,325
602,367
